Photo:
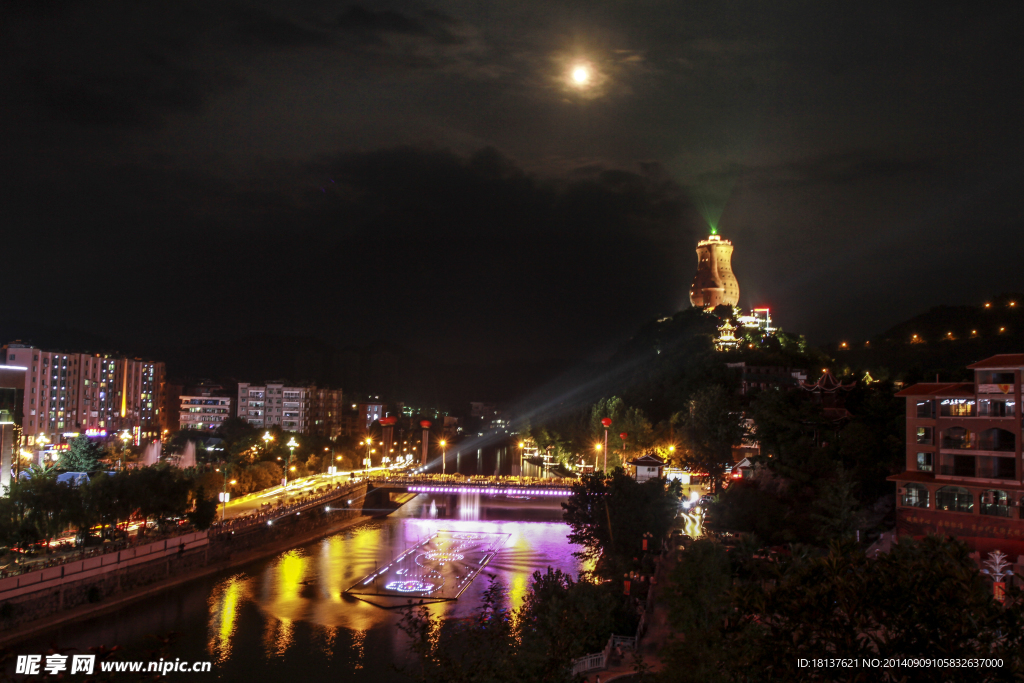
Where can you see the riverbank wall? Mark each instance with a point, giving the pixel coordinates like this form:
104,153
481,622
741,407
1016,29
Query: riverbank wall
34,602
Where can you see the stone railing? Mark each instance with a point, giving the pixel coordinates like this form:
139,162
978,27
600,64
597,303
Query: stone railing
99,564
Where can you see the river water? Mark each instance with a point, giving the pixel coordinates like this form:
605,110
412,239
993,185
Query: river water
285,618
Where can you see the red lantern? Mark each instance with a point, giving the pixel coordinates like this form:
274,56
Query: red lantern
388,421
626,588
645,544
607,422
425,424
623,436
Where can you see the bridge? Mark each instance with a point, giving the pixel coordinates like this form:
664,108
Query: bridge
485,486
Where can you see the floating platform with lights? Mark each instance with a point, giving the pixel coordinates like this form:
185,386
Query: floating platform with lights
439,568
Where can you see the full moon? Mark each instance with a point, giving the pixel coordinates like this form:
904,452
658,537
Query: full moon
580,75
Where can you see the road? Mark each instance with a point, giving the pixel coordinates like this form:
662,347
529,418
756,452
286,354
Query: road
297,488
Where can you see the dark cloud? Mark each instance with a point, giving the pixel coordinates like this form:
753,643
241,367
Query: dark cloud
458,250
358,146
377,25
831,169
277,31
142,95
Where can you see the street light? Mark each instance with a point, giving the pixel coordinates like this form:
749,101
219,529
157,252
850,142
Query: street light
443,444
597,450
366,460
607,422
41,441
267,438
291,451
522,445
224,495
125,438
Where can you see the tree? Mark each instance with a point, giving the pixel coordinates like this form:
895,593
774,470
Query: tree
562,619
204,510
609,517
83,455
837,513
921,600
710,428
481,648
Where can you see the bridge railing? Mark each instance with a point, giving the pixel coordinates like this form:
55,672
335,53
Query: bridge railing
478,482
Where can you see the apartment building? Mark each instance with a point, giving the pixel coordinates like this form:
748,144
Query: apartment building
963,470
276,404
204,411
68,392
325,408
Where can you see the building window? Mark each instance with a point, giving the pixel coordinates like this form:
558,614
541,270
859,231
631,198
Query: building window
924,436
954,499
957,407
995,503
915,496
924,462
926,409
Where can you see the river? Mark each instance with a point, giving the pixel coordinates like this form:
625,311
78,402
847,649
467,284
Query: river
285,618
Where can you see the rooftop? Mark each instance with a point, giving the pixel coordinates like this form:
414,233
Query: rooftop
1003,361
939,389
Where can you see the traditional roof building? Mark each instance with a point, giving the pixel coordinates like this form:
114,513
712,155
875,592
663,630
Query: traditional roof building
646,467
831,394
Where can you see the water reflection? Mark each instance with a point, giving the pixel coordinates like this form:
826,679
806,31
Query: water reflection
224,602
287,616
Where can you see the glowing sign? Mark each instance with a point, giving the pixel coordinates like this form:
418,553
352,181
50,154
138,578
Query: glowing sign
96,432
410,586
442,556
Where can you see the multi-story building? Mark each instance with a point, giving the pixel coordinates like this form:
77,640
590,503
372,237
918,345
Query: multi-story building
763,377
12,383
714,284
74,392
205,410
370,412
325,412
289,407
963,470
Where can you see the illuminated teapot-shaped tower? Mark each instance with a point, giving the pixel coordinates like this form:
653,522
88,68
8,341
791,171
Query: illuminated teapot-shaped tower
714,284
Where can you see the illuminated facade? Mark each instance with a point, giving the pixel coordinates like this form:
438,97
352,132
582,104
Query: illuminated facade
204,411
963,467
274,404
325,412
304,409
714,284
66,393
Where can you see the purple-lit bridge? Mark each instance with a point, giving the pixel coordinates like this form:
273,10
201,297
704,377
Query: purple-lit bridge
509,487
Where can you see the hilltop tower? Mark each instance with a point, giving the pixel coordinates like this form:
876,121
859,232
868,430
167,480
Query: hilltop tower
714,284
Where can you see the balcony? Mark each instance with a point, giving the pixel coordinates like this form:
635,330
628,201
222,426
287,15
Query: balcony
996,445
1001,388
967,468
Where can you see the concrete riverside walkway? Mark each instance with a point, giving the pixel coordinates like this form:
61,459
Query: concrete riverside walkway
659,632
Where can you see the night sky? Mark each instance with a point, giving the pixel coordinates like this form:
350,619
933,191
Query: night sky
432,174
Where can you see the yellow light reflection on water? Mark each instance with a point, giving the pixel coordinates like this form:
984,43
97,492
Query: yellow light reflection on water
224,604
359,648
277,636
